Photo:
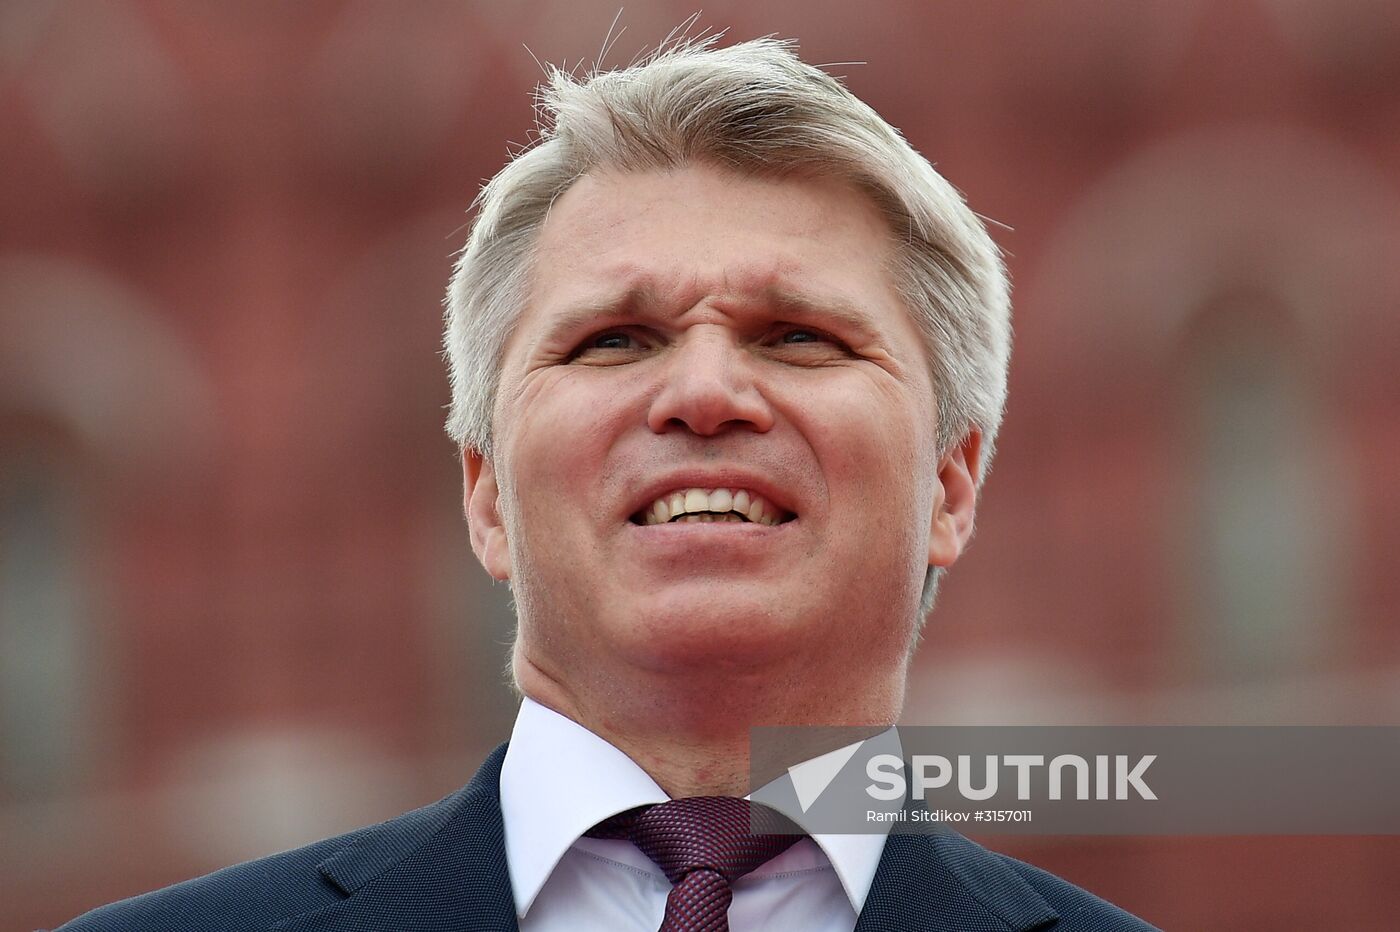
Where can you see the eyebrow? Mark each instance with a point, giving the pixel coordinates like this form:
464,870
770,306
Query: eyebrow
850,316
640,299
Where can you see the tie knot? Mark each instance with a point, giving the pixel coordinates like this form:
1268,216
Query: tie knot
723,834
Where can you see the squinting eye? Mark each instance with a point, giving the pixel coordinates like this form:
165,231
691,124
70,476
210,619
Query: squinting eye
612,347
804,336
612,340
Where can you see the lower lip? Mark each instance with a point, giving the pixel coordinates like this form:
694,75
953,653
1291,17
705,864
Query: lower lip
731,534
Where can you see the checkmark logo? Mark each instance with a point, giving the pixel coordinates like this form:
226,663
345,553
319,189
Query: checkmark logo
811,777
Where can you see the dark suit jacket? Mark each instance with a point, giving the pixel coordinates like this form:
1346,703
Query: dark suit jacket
443,867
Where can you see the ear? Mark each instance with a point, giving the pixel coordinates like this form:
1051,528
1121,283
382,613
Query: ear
955,500
480,502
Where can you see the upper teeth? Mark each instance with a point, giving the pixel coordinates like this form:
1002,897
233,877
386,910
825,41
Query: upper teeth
713,504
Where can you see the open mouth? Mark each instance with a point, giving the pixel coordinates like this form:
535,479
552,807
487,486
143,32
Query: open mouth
712,506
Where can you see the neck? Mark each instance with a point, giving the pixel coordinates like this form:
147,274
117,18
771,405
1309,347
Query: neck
692,736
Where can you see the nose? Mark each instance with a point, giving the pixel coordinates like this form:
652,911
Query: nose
709,386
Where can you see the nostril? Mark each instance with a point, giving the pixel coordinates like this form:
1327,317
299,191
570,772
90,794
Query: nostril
706,407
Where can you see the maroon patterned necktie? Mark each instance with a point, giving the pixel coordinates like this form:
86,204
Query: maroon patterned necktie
703,844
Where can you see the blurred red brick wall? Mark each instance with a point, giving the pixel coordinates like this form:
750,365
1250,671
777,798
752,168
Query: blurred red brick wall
241,608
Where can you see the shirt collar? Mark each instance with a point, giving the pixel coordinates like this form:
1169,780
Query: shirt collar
854,857
559,779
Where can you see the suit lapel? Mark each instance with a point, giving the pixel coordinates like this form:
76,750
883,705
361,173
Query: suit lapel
441,869
946,882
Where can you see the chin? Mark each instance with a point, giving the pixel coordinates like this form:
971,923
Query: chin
724,632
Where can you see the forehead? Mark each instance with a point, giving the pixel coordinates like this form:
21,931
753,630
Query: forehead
683,234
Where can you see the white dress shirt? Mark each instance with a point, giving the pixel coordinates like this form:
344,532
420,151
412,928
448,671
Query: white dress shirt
559,779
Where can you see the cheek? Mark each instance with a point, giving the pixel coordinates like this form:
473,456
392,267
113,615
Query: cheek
873,437
552,412
559,433
875,452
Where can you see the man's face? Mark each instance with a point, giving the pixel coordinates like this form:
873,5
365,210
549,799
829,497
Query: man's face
697,342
